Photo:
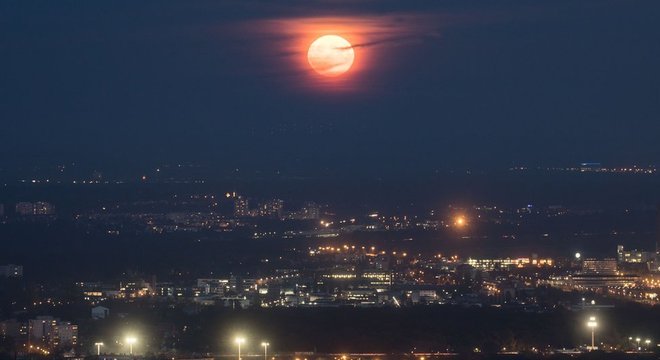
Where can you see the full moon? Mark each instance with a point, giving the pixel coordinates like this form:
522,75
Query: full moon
330,55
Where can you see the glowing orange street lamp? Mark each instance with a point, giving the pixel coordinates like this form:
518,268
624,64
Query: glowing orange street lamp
460,221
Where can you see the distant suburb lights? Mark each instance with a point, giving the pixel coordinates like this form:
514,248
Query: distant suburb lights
331,55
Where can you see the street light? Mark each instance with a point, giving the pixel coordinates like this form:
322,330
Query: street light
592,324
130,341
98,348
265,345
460,221
239,341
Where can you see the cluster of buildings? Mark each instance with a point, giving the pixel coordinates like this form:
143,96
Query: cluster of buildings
34,208
42,334
26,208
645,258
597,274
196,213
350,275
596,167
273,209
507,263
632,275
359,276
363,276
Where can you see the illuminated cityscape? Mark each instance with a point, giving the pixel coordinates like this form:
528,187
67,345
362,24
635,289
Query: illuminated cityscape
329,180
319,261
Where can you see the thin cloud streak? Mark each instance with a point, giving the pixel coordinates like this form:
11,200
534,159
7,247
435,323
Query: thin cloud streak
395,41
283,43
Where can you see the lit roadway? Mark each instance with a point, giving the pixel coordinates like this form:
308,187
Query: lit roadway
308,355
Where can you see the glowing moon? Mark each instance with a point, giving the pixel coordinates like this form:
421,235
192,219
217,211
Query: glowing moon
330,55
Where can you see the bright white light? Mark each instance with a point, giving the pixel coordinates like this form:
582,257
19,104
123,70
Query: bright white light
131,340
592,322
578,255
239,340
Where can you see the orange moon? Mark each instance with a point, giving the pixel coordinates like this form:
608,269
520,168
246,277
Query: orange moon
330,55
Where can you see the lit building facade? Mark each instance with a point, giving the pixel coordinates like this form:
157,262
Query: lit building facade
241,206
507,263
633,256
35,208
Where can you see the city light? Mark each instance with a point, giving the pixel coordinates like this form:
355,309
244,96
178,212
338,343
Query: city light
98,347
239,341
592,324
265,345
179,179
130,340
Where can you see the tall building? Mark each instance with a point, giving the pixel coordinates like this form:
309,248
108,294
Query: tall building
213,286
272,208
309,211
241,206
633,256
43,208
64,334
35,208
601,267
49,331
39,328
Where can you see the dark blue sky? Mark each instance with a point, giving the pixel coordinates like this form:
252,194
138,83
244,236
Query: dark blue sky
447,84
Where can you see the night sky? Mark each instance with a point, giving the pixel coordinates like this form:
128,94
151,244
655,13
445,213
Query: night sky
435,84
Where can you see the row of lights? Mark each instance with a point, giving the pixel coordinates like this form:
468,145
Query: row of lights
241,340
130,340
638,340
238,340
593,324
